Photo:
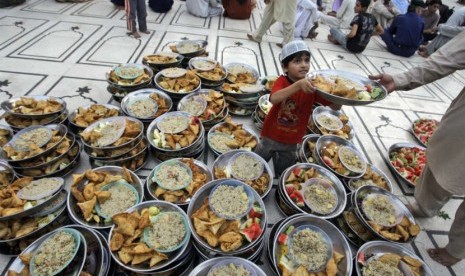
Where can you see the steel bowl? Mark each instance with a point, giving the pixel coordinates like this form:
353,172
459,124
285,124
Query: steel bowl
203,268
59,118
201,43
338,240
350,183
243,67
396,147
146,93
62,131
125,160
362,192
424,144
326,174
222,161
133,87
77,129
323,141
215,127
156,66
196,203
9,105
74,268
173,257
323,109
304,153
379,248
75,212
151,185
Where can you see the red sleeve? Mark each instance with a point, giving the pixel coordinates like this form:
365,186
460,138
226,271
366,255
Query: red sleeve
280,83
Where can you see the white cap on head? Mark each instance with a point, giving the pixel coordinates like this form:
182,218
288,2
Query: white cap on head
292,48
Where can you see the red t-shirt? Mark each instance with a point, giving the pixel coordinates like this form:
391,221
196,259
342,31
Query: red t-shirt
287,121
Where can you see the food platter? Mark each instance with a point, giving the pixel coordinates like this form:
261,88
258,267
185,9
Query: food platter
378,249
129,83
348,80
229,137
129,71
14,106
423,129
85,115
241,73
190,48
161,60
373,176
345,131
399,165
204,267
162,101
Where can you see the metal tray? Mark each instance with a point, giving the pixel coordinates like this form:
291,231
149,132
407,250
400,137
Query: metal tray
9,105
395,147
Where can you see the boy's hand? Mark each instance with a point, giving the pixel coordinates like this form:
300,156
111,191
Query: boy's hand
305,85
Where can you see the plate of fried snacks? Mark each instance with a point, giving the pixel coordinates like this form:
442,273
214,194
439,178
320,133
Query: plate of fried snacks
162,58
112,133
385,215
423,129
308,245
144,101
86,115
312,189
346,88
227,217
34,106
188,47
20,123
203,63
174,131
187,83
383,258
55,253
407,161
241,73
374,177
340,156
130,74
228,266
245,166
96,195
230,135
324,119
39,193
34,141
149,236
6,133
306,151
201,175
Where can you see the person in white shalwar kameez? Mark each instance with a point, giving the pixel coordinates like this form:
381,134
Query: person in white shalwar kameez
344,16
305,18
277,11
204,8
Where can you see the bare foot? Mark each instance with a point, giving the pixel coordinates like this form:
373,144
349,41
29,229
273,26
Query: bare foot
443,257
145,32
331,39
423,53
249,36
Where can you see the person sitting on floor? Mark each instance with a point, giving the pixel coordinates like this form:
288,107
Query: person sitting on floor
161,6
204,8
238,9
431,18
343,17
384,12
364,25
405,34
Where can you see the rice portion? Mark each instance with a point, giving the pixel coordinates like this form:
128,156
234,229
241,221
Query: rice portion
121,199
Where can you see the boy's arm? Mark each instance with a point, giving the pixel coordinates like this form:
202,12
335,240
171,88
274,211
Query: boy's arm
353,31
284,93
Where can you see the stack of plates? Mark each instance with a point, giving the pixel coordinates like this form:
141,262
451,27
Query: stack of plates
209,71
146,104
29,111
242,94
162,60
126,78
262,109
176,134
123,145
86,115
58,155
177,82
90,255
48,213
189,49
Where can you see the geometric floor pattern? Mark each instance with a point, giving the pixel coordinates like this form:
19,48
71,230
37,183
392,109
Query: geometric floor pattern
65,49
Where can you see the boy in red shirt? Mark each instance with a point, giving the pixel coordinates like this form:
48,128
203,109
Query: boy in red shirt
292,97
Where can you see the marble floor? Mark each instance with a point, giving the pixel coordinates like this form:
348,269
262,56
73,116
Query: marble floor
65,49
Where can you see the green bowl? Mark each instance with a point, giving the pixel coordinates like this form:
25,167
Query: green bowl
77,240
155,220
120,182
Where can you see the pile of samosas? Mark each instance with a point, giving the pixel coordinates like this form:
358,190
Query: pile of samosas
375,178
115,79
184,84
344,132
162,104
184,138
402,231
242,138
10,203
127,239
199,178
215,74
337,88
86,116
160,59
330,155
217,231
31,106
392,260
241,76
215,104
87,195
356,225
131,131
33,148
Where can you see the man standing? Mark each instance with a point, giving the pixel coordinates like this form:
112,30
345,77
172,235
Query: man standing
443,175
277,11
